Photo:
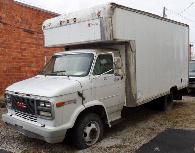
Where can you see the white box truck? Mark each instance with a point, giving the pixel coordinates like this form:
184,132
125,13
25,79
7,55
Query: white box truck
114,57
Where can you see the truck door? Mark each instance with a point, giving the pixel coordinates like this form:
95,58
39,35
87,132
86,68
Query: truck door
107,85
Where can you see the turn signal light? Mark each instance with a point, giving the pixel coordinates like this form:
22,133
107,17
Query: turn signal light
60,104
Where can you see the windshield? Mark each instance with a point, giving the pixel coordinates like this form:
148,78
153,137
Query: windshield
192,67
69,65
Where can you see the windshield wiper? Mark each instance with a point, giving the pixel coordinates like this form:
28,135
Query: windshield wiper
59,71
56,72
45,74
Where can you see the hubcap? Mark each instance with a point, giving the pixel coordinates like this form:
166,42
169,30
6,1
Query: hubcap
91,133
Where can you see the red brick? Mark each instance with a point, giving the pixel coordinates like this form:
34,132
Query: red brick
21,54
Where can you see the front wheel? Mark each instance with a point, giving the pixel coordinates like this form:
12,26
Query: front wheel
87,131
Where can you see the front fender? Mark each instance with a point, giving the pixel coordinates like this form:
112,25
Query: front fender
98,103
82,108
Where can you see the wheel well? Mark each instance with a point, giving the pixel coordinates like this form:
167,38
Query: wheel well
99,110
173,90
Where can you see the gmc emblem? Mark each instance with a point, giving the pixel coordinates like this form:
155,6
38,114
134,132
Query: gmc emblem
21,105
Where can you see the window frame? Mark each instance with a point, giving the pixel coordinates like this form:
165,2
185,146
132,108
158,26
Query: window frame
55,56
108,53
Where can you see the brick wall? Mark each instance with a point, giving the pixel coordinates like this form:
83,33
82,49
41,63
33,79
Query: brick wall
22,54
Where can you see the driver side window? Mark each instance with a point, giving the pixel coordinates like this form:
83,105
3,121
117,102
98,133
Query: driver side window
104,63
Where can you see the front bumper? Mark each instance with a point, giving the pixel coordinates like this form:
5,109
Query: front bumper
35,130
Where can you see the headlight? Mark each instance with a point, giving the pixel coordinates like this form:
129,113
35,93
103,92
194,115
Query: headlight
44,104
44,109
46,114
8,100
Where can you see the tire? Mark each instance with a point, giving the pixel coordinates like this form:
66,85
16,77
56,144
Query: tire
166,103
177,95
87,131
189,91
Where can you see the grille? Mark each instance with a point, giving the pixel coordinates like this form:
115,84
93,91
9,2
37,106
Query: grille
25,105
26,116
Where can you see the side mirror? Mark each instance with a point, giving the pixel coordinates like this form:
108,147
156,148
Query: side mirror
118,66
117,63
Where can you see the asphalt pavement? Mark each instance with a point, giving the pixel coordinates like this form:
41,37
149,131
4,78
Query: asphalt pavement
171,141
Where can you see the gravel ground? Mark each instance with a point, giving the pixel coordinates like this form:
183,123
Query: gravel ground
139,126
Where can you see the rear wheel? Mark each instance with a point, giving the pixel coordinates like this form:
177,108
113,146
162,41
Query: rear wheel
166,102
87,131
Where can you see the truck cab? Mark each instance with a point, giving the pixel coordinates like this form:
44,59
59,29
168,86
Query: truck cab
86,83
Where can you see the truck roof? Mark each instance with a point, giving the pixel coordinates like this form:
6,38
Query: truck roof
76,51
97,50
103,11
148,14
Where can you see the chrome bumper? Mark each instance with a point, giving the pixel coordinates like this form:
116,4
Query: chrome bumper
35,130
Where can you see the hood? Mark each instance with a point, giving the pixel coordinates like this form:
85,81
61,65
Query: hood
46,86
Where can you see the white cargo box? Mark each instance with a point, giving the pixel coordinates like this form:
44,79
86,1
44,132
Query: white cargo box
74,33
156,61
106,23
90,25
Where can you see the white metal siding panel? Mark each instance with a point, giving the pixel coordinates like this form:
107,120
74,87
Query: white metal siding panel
161,51
73,33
